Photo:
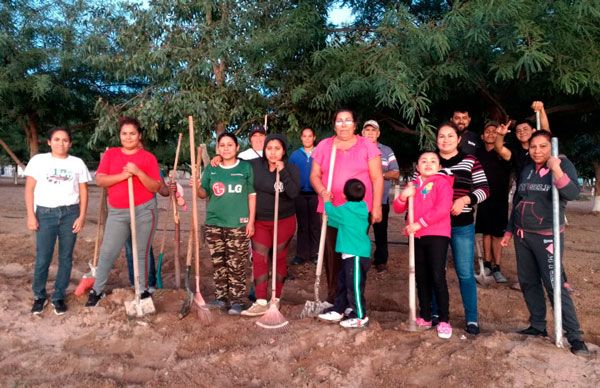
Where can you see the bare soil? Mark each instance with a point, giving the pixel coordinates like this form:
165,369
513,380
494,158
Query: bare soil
102,347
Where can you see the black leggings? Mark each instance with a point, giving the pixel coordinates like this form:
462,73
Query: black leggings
430,273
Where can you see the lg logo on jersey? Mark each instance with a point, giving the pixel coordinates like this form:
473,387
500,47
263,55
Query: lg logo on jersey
219,189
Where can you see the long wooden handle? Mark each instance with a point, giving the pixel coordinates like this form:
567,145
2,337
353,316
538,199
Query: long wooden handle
321,253
324,218
172,179
100,230
275,222
136,269
412,299
195,175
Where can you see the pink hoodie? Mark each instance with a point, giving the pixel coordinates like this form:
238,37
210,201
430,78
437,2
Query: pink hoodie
432,205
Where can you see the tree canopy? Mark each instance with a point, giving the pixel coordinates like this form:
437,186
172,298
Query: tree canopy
230,62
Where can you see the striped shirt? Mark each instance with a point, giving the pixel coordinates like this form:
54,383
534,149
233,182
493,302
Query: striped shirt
388,163
470,180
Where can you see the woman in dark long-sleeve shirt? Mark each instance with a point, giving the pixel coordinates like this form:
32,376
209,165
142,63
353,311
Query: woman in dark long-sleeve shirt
265,169
531,222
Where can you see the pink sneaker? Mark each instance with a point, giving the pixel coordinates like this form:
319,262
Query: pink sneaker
444,330
423,324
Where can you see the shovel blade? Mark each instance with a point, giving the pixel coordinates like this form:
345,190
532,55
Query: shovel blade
139,307
313,309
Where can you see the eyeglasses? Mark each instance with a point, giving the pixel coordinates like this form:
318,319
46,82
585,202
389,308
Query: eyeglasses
339,123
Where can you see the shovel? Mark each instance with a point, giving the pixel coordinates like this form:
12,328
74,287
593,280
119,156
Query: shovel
137,307
172,176
189,295
88,279
316,307
481,278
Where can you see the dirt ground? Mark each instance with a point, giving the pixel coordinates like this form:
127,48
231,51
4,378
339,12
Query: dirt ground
102,347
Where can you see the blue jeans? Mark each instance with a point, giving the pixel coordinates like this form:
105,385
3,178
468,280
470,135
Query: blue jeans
54,222
151,266
462,242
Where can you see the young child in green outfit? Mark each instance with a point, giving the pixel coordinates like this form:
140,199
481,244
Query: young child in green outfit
352,221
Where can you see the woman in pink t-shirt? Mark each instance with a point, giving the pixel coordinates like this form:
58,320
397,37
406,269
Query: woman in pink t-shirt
356,157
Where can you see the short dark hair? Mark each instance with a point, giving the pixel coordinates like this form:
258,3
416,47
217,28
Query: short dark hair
354,190
460,109
54,130
227,134
524,120
126,120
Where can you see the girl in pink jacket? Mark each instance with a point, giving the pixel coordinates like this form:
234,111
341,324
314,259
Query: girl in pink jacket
432,192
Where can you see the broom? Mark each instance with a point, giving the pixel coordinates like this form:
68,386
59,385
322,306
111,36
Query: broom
316,307
204,313
273,319
88,279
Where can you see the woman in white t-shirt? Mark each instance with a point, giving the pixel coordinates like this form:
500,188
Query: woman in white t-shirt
56,198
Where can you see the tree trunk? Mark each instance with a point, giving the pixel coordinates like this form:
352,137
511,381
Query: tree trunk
596,207
31,133
12,154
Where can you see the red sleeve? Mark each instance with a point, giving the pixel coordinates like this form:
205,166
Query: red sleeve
399,205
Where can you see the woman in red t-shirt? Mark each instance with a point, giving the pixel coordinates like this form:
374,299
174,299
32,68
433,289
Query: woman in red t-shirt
116,166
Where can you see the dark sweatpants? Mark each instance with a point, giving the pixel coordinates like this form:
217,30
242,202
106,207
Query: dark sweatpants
535,267
380,231
309,226
351,286
332,262
430,273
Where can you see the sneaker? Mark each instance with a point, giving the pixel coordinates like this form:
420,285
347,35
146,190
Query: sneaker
423,324
435,320
145,294
487,268
235,309
38,306
533,331
579,348
60,307
217,304
152,289
348,311
444,330
354,323
499,277
259,307
94,298
331,317
472,328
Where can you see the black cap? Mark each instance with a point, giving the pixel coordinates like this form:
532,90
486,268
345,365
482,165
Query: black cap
257,129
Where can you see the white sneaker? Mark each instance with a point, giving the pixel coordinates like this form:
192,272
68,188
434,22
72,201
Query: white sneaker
331,316
348,311
259,307
354,323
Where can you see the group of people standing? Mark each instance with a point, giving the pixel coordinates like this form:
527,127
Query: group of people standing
241,191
